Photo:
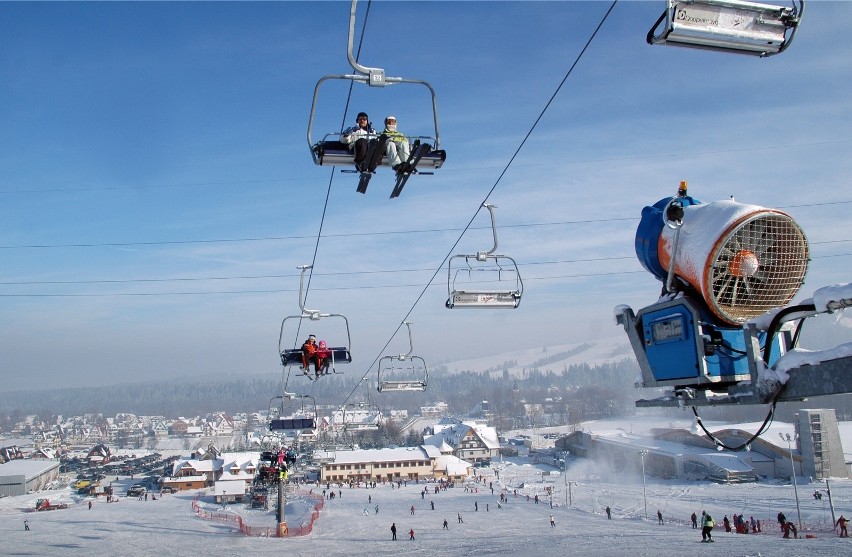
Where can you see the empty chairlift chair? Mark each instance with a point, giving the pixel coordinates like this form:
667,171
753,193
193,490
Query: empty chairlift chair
287,417
361,416
403,372
727,25
485,280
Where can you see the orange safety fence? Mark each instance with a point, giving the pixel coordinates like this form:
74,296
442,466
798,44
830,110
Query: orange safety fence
303,529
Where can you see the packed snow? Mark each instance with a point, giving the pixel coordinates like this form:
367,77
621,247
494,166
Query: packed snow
349,522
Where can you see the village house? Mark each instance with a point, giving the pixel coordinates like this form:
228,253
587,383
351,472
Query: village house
437,410
99,454
469,440
208,469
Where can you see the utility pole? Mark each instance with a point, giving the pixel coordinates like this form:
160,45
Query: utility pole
282,503
642,454
795,485
830,503
570,497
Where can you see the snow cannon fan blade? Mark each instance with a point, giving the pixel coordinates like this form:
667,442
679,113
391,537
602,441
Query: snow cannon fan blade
744,259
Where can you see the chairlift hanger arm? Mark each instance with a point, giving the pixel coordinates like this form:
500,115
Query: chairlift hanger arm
302,294
377,72
410,343
482,256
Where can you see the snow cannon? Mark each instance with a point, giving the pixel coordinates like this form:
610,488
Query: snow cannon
743,260
722,264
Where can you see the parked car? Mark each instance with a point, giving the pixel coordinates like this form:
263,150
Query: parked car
168,489
136,491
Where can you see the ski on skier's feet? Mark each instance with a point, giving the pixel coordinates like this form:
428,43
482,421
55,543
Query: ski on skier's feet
364,181
409,167
375,152
367,167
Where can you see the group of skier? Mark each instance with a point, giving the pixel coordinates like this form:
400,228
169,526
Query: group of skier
369,147
741,525
319,355
391,143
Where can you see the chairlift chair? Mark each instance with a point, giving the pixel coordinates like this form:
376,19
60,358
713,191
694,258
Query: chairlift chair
282,420
293,356
481,270
351,413
403,372
329,151
728,25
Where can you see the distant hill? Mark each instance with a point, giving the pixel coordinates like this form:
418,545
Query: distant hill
548,358
189,396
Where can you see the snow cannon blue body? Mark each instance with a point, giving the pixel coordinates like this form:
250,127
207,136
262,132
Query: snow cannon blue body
721,264
650,230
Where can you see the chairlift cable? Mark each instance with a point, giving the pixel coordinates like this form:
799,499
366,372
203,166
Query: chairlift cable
328,190
485,200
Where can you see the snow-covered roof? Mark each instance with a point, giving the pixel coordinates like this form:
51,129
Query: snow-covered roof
727,461
451,433
197,465
453,466
229,487
381,455
28,468
431,451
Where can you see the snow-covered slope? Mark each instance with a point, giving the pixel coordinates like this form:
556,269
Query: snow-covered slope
553,358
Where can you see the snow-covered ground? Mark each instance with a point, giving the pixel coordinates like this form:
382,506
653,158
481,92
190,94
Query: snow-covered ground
520,527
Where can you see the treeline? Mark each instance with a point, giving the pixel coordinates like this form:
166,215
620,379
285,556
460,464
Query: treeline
198,396
541,394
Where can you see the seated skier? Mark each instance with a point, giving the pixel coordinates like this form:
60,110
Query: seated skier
309,352
396,147
323,355
358,138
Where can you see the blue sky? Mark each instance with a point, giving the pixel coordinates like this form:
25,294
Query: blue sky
157,192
